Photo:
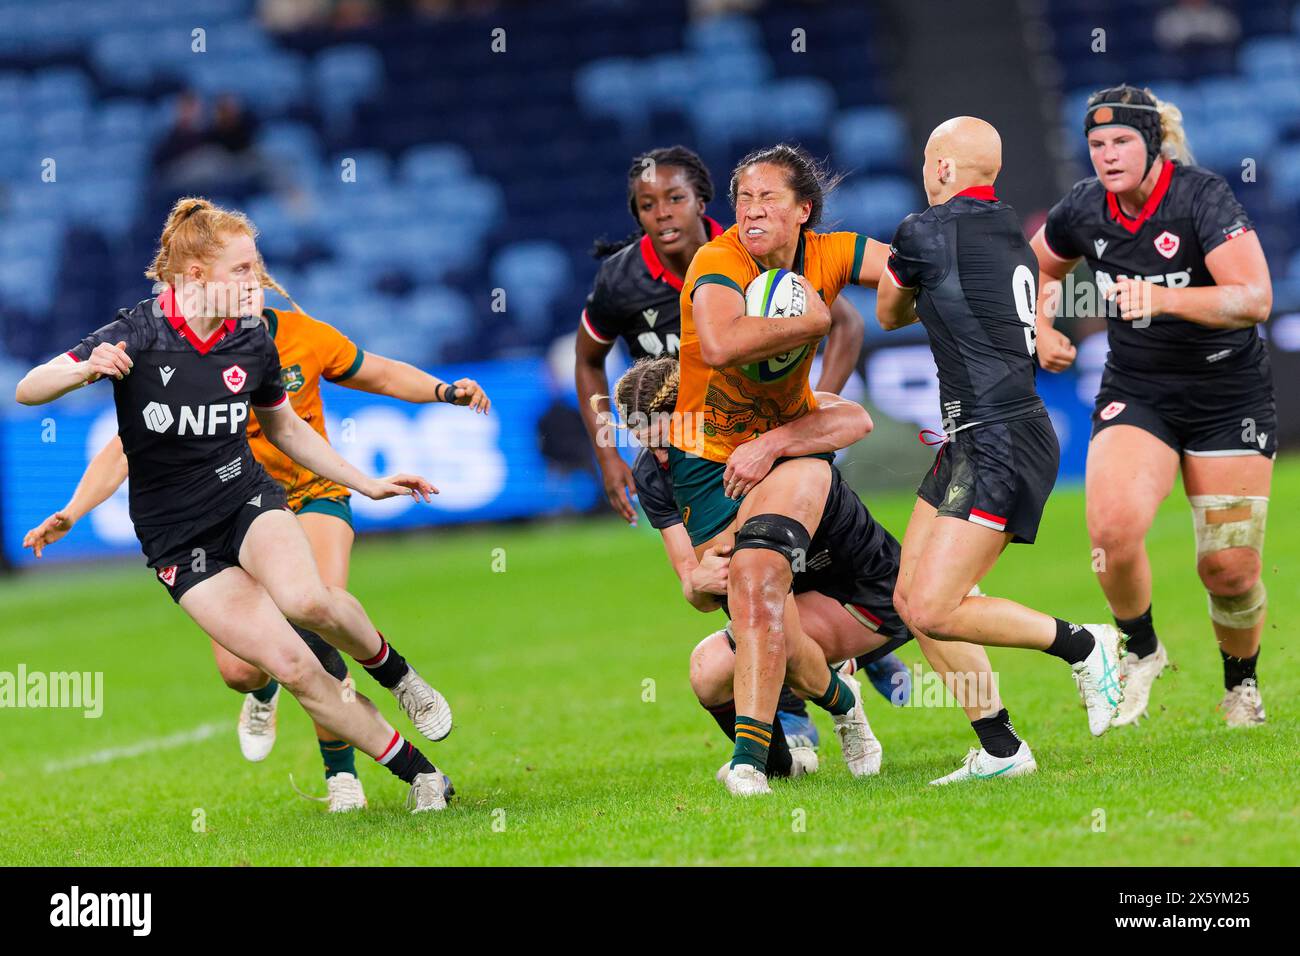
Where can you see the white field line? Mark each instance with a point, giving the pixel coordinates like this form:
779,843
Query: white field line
149,745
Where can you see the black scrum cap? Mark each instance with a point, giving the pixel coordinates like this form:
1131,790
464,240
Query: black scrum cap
1126,106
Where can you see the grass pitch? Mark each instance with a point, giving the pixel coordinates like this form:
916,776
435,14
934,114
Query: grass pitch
565,753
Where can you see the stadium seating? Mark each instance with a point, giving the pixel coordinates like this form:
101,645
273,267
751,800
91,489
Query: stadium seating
449,202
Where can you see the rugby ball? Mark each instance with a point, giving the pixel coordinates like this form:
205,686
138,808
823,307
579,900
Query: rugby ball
776,293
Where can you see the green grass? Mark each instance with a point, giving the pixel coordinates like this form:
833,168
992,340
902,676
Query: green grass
545,665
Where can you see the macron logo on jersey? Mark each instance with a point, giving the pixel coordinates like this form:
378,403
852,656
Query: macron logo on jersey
1100,246
196,419
166,372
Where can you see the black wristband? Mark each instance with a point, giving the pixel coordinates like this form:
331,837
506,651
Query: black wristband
445,389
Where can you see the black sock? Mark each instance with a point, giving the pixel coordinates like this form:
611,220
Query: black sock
326,653
1073,642
1141,634
1237,669
779,761
725,715
791,703
996,734
388,667
403,760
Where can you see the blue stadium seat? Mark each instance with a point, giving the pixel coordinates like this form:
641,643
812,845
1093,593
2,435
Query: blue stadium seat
1225,96
372,167
1284,172
1230,140
800,106
724,115
1271,56
532,273
289,142
875,206
58,88
611,88
435,316
435,163
734,68
721,34
671,79
344,76
123,119
869,136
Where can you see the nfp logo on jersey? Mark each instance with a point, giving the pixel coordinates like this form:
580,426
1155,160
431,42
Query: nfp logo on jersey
196,419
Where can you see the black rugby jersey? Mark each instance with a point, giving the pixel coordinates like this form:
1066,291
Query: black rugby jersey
183,414
1190,212
654,490
636,298
975,277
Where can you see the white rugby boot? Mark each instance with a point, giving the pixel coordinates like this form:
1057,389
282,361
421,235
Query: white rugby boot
429,791
982,765
862,751
1137,674
746,780
428,709
1098,678
257,726
803,760
1243,706
345,793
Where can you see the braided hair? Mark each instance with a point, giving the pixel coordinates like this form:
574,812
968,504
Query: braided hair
678,157
645,391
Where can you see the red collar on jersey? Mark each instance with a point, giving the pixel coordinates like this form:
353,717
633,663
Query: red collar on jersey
660,271
1149,207
979,192
167,302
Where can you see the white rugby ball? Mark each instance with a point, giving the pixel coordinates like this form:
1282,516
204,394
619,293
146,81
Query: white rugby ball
777,293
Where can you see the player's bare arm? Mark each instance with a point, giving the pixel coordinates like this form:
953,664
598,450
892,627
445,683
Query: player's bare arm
384,376
843,345
895,306
591,380
63,374
703,580
1242,294
289,433
836,423
729,337
874,260
1055,350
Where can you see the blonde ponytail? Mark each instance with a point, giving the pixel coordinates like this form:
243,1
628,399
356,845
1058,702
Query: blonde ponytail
1173,137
